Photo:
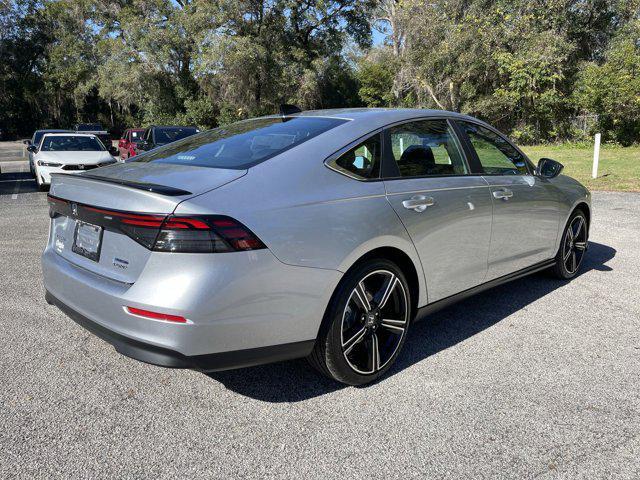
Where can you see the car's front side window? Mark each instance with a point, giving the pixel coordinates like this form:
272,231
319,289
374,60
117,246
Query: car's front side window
426,148
362,161
496,155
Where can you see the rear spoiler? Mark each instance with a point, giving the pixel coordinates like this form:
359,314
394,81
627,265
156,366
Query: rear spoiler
149,187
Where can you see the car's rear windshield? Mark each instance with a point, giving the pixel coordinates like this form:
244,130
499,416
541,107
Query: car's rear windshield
37,136
243,144
70,143
166,135
89,127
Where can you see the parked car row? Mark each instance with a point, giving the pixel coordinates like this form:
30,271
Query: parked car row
136,140
89,146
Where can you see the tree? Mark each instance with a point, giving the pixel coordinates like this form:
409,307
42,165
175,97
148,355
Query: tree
612,89
376,74
513,63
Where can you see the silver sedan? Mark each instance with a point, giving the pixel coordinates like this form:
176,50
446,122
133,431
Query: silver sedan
319,234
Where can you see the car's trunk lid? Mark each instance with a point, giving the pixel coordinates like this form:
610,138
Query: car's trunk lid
121,189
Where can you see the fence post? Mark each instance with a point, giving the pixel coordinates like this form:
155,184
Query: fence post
596,156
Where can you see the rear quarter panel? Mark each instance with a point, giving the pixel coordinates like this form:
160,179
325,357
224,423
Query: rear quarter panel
309,215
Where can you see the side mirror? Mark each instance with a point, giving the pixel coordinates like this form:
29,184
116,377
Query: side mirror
144,145
32,148
548,168
114,151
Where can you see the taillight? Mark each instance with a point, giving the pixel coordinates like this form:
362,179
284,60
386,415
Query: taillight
167,233
207,234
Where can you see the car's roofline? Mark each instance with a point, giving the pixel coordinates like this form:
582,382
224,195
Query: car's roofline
377,117
53,130
169,126
70,134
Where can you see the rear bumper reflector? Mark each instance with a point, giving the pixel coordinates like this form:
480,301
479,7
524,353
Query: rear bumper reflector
138,312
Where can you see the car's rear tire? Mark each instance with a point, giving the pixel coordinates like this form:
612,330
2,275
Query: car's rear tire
361,337
573,246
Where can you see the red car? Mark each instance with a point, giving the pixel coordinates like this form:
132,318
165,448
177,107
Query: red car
128,144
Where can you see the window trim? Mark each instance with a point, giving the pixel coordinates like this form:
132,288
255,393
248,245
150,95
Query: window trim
465,138
470,157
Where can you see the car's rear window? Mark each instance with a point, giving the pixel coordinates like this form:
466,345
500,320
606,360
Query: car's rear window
243,144
89,127
37,136
171,134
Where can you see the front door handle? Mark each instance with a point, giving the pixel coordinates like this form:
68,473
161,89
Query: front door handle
419,203
504,194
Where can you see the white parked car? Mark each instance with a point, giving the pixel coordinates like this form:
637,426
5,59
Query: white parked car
35,140
68,153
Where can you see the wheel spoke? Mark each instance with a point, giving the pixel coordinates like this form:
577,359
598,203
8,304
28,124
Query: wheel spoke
570,233
375,353
361,293
393,325
574,261
390,286
581,245
578,228
568,254
355,339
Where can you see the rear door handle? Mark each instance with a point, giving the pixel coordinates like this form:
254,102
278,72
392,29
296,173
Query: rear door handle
504,194
418,203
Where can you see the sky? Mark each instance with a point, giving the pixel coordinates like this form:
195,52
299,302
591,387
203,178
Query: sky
377,37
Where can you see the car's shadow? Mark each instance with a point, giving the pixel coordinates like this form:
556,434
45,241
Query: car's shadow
17,182
294,381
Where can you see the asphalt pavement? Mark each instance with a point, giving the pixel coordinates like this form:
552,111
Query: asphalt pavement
535,379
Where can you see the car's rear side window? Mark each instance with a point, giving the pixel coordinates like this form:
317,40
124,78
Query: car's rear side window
243,144
362,161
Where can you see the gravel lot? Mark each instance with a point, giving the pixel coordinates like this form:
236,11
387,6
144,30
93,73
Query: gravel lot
538,378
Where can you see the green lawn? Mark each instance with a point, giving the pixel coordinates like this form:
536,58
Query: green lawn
619,167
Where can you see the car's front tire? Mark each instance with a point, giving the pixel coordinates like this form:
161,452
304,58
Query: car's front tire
365,325
572,247
43,187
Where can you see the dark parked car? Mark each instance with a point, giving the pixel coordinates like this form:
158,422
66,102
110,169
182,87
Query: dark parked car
97,130
156,136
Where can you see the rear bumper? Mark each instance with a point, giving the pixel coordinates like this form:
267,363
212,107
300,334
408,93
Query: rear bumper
242,309
164,357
